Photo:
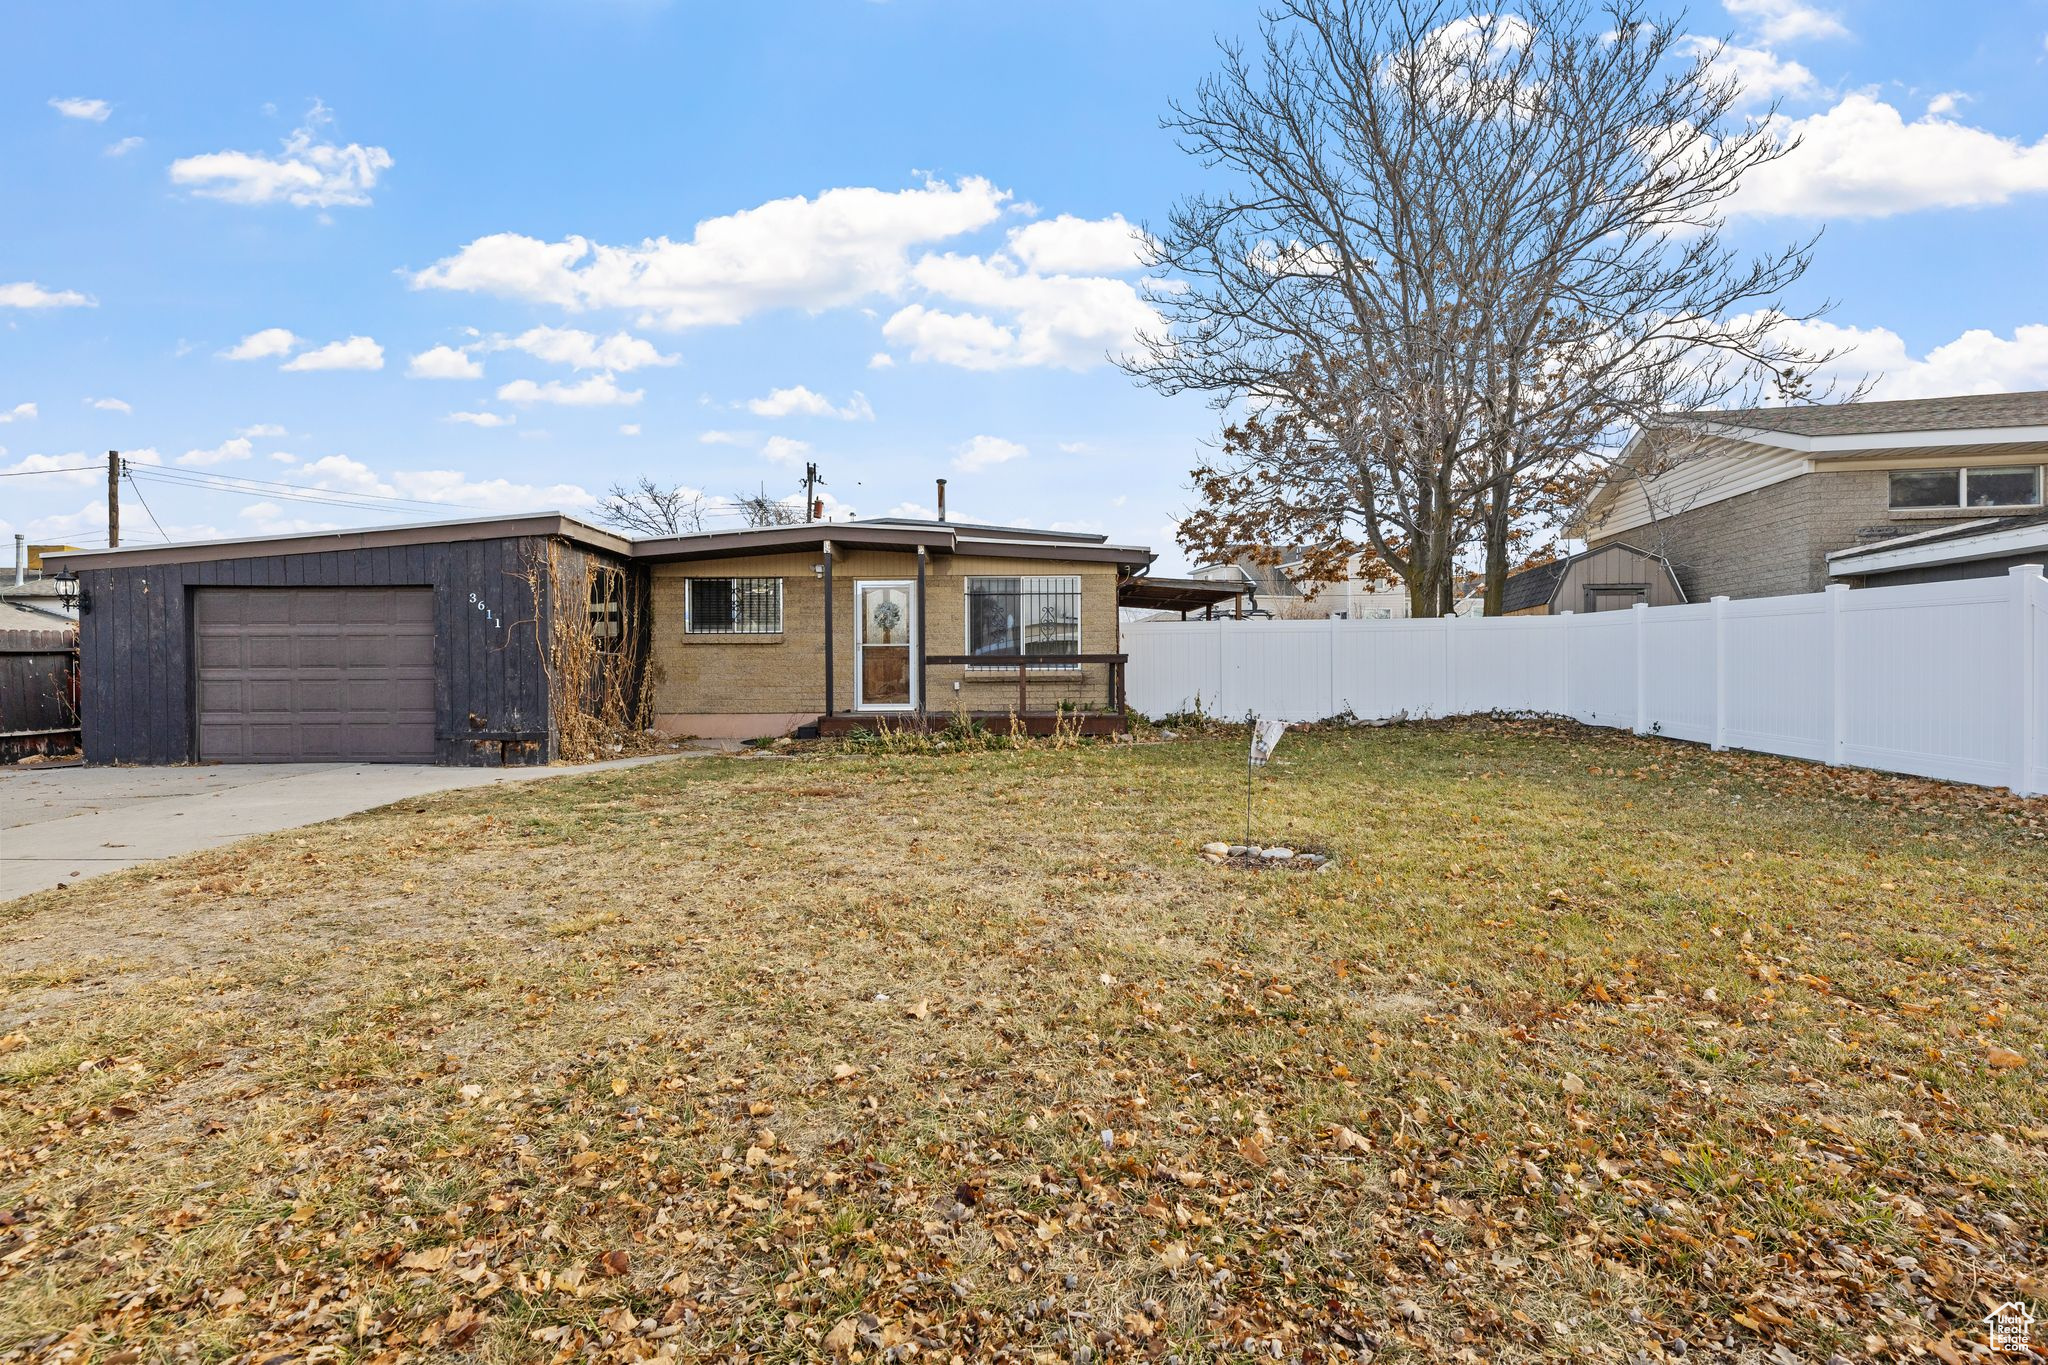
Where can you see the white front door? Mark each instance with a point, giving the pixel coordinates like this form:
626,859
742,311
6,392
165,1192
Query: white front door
885,644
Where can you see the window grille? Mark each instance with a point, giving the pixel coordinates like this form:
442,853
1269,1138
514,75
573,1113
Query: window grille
607,607
733,606
1025,615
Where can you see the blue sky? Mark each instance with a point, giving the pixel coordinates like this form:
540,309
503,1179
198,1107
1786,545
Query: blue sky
709,243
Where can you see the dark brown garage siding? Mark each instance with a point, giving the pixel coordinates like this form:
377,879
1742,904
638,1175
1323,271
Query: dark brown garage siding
314,674
490,702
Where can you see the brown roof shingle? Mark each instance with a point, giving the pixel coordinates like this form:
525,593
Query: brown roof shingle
2028,409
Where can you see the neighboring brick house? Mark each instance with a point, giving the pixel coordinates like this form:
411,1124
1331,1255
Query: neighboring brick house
1753,503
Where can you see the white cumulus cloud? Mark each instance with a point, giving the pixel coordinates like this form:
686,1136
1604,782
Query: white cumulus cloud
92,111
483,419
621,351
784,450
311,171
108,405
1978,361
1067,245
29,294
442,485
355,353
1762,74
1016,318
811,253
271,341
123,146
1862,159
983,452
237,448
260,429
1784,21
597,391
17,412
445,362
629,428
802,402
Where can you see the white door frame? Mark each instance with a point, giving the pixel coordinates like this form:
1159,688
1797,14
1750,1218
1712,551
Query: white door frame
860,630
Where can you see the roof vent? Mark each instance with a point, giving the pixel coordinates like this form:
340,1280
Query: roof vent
942,499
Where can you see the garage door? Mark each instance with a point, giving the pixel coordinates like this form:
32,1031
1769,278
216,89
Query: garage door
313,674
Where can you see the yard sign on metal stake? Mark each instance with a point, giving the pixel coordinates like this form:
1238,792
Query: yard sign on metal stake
1265,737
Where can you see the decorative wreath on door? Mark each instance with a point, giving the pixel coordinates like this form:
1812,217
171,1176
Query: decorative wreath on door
888,616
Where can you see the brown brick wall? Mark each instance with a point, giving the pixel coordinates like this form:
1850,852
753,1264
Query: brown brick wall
785,674
1775,541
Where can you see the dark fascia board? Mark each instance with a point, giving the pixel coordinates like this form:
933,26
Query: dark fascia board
932,536
768,540
1176,594
1133,555
370,538
982,531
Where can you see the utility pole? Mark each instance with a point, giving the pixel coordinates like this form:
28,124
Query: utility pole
113,499
811,482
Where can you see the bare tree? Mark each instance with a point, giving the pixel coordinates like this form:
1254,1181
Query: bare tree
760,509
648,509
1458,257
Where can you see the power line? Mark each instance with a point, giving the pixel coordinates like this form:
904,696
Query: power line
333,498
144,501
243,483
61,469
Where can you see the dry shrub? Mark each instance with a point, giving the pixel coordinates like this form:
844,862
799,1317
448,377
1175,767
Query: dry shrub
593,617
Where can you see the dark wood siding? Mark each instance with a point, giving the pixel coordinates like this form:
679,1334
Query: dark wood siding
490,691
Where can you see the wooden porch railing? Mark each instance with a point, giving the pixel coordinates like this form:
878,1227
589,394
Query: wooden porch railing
1024,663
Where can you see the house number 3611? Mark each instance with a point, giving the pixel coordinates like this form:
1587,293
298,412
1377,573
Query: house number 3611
485,608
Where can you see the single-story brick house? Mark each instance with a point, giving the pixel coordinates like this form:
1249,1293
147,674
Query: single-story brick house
1766,502
440,642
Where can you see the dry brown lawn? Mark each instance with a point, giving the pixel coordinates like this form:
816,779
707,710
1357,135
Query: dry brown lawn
1591,1047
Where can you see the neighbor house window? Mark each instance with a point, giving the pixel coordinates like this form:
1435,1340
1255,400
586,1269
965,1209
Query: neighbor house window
1035,616
1978,486
733,606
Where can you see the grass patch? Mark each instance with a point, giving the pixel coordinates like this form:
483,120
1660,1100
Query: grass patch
1588,1045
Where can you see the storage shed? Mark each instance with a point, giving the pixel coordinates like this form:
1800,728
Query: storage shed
1612,578
401,644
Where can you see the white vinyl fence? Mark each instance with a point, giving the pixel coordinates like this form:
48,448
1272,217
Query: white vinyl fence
1945,680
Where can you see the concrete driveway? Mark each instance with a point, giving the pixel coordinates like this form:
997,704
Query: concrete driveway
61,824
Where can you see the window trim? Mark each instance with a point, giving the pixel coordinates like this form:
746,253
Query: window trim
997,670
734,630
1962,502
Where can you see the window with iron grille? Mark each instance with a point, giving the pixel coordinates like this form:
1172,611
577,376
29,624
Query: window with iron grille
733,606
607,607
1025,615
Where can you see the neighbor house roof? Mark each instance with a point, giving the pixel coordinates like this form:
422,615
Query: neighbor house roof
1531,587
1988,538
1961,412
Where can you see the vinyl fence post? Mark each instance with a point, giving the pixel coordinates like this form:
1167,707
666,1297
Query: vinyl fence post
1838,673
1720,673
1642,616
1564,664
1330,709
1450,666
2026,581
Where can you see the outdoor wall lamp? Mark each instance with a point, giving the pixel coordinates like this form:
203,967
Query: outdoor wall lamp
72,594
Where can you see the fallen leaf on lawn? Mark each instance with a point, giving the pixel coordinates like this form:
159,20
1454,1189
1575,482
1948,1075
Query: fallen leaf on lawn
1572,1085
620,1085
921,1010
615,1262
1348,1140
432,1259
839,1341
2004,1058
1174,1255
